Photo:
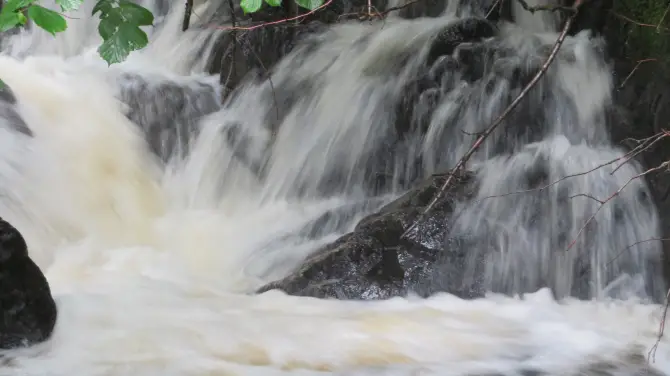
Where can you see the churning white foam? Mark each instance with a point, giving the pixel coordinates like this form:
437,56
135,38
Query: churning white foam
151,267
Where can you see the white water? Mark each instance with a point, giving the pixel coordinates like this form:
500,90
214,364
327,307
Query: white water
150,266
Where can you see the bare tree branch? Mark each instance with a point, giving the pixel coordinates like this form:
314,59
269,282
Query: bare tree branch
637,66
493,7
638,23
461,163
646,144
608,199
633,245
278,22
651,356
658,27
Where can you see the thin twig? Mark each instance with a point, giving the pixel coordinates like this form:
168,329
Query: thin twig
461,163
624,157
587,196
645,145
493,7
372,12
269,75
651,356
608,199
658,28
278,22
233,34
637,66
638,23
633,245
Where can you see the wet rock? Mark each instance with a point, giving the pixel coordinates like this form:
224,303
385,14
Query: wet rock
9,117
642,110
28,309
166,111
253,54
468,30
373,262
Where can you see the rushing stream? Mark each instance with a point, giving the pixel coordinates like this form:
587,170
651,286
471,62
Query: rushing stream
154,232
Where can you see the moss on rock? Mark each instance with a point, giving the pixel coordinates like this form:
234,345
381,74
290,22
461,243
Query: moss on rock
638,34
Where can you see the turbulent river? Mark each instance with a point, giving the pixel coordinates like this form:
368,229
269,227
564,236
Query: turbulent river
153,264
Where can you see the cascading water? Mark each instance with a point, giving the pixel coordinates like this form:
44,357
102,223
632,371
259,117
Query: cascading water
154,209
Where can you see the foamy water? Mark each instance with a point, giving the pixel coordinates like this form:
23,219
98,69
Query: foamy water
153,266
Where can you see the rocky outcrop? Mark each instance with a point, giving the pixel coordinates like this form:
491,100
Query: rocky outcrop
155,102
373,262
28,310
638,56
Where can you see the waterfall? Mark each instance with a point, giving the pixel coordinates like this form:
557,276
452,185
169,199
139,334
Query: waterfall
157,202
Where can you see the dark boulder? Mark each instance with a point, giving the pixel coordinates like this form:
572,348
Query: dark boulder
168,112
9,117
373,262
28,309
468,30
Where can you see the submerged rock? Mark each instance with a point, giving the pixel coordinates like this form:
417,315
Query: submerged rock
168,112
373,262
9,117
28,309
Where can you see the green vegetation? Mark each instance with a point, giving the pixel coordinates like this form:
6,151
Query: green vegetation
119,27
251,6
645,30
120,21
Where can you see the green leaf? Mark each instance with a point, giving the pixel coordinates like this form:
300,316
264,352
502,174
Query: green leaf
47,19
68,5
251,6
119,45
14,5
22,18
9,20
135,14
102,6
108,26
309,4
273,3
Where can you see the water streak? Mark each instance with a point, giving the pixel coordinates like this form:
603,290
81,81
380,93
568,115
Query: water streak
155,205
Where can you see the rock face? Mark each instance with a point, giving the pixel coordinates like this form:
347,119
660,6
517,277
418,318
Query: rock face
27,307
642,95
155,102
373,262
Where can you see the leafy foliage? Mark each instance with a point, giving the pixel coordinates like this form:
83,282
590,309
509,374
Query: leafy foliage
251,6
13,14
119,27
47,19
120,21
69,5
309,4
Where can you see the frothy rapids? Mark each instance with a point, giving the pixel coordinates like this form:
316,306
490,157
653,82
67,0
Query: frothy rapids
156,208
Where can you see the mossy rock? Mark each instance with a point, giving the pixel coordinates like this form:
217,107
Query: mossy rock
639,30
